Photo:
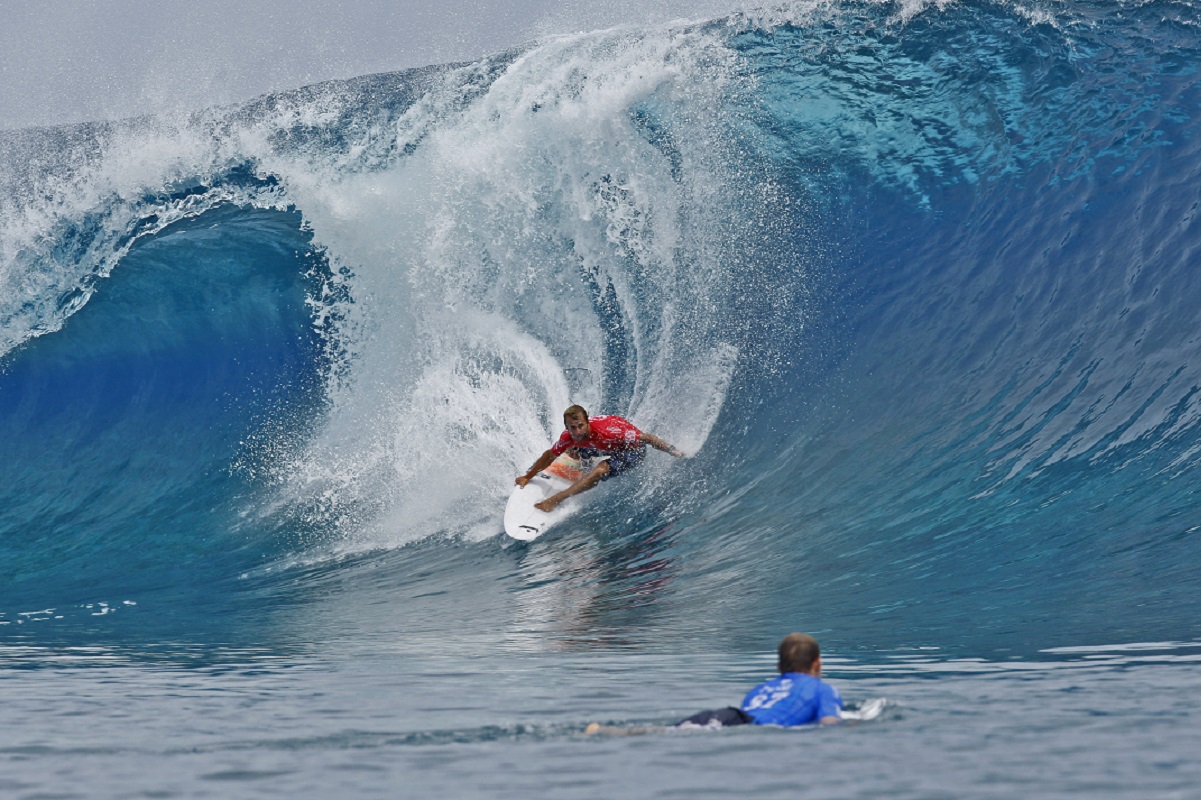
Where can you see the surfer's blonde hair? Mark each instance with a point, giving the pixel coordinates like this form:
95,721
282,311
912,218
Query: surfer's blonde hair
574,411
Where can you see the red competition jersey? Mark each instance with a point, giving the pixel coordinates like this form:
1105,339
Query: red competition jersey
609,433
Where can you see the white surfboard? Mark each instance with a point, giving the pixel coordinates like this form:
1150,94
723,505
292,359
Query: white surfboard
522,520
868,709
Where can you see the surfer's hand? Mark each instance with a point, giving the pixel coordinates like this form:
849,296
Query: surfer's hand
522,480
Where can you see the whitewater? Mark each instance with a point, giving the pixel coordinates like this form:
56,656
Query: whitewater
913,283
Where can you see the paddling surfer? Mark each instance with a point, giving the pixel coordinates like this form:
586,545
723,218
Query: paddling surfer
797,696
614,439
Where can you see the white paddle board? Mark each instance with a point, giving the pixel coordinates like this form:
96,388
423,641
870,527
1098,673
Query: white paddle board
522,520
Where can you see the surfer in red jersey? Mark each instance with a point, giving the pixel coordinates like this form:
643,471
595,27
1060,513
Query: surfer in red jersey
612,438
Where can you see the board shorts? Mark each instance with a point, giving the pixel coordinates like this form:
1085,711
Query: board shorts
622,460
717,718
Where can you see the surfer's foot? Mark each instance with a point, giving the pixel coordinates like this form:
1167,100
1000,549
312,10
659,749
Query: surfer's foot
595,728
547,504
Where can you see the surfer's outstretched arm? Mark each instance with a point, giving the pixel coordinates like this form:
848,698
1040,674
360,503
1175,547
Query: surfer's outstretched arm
544,461
657,443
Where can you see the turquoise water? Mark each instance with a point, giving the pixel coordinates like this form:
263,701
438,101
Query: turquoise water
914,285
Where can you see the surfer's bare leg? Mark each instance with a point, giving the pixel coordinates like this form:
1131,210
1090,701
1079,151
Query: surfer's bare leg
582,485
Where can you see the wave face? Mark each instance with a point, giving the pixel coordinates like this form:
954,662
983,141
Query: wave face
914,284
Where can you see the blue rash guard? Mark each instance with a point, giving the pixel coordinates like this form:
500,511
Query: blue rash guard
793,698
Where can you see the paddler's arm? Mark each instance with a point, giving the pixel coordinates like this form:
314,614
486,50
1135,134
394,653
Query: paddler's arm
544,461
657,443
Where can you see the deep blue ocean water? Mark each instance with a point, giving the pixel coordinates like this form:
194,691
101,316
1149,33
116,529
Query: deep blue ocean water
914,284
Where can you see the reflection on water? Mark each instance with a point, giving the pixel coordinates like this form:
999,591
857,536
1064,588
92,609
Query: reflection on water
579,591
